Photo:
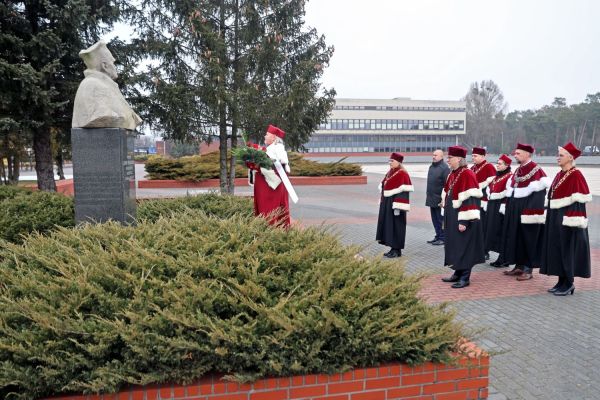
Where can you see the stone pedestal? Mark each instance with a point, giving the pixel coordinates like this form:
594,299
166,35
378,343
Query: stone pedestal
103,174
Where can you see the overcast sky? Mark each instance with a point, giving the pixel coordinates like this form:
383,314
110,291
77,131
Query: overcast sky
433,49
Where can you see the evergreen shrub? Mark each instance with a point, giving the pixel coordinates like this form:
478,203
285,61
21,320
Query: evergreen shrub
199,168
100,306
221,206
23,211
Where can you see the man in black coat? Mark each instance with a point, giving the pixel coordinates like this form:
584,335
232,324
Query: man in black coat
436,178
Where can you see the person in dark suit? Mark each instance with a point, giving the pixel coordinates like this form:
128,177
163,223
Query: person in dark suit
436,178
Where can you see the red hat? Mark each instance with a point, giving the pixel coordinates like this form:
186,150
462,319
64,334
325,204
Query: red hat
457,151
525,147
397,156
505,158
479,150
572,150
276,131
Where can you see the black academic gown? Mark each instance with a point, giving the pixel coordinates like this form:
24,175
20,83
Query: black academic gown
566,249
523,242
493,221
462,250
391,229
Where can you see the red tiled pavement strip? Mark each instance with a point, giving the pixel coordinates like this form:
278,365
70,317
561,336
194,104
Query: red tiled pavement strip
494,284
417,215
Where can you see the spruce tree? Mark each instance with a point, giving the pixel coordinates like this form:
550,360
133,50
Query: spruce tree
40,69
225,67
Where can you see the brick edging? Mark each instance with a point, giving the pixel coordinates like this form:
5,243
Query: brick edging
466,380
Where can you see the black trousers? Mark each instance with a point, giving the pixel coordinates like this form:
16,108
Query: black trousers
437,219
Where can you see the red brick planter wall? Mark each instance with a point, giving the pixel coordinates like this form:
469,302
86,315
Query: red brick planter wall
468,380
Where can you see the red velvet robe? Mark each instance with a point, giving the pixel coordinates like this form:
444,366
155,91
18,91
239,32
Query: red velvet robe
484,173
566,245
461,199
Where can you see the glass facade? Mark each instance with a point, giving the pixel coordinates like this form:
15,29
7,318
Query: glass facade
359,143
386,125
392,124
400,108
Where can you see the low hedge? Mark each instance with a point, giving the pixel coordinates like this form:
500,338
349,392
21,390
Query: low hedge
94,308
199,168
23,211
220,206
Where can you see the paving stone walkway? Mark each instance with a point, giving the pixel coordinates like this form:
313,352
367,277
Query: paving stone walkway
545,347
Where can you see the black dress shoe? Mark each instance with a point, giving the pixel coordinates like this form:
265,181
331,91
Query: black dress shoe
452,278
557,286
460,284
564,292
432,240
438,242
393,254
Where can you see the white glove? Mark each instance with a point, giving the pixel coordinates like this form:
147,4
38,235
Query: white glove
396,212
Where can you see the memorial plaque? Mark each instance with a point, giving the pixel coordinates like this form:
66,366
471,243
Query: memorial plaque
103,174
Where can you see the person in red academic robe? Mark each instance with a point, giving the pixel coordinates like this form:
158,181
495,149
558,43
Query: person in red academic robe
463,247
484,172
566,246
496,207
524,218
393,206
270,195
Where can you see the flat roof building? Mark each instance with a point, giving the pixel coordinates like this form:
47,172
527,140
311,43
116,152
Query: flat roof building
379,125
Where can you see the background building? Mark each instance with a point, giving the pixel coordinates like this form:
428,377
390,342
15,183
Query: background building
400,124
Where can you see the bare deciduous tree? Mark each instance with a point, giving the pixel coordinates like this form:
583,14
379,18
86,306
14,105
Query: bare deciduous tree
485,114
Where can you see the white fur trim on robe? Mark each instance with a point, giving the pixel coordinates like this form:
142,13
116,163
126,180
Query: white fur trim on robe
400,206
272,179
534,219
462,196
469,215
276,151
575,222
399,189
567,201
535,186
484,184
497,196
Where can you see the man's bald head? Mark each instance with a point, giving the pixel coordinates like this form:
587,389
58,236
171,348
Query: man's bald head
438,155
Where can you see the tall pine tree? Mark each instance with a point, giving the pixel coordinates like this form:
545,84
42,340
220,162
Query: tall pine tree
222,67
40,68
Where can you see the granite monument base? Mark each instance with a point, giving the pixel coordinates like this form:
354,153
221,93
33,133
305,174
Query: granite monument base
103,174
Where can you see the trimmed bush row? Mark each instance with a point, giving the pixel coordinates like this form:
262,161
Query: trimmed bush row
23,211
199,168
96,307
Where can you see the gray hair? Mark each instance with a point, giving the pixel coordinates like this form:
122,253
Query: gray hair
463,162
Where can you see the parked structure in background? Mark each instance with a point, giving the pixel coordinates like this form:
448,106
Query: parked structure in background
379,125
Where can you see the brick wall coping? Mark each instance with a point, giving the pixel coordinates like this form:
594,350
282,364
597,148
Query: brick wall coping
465,380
